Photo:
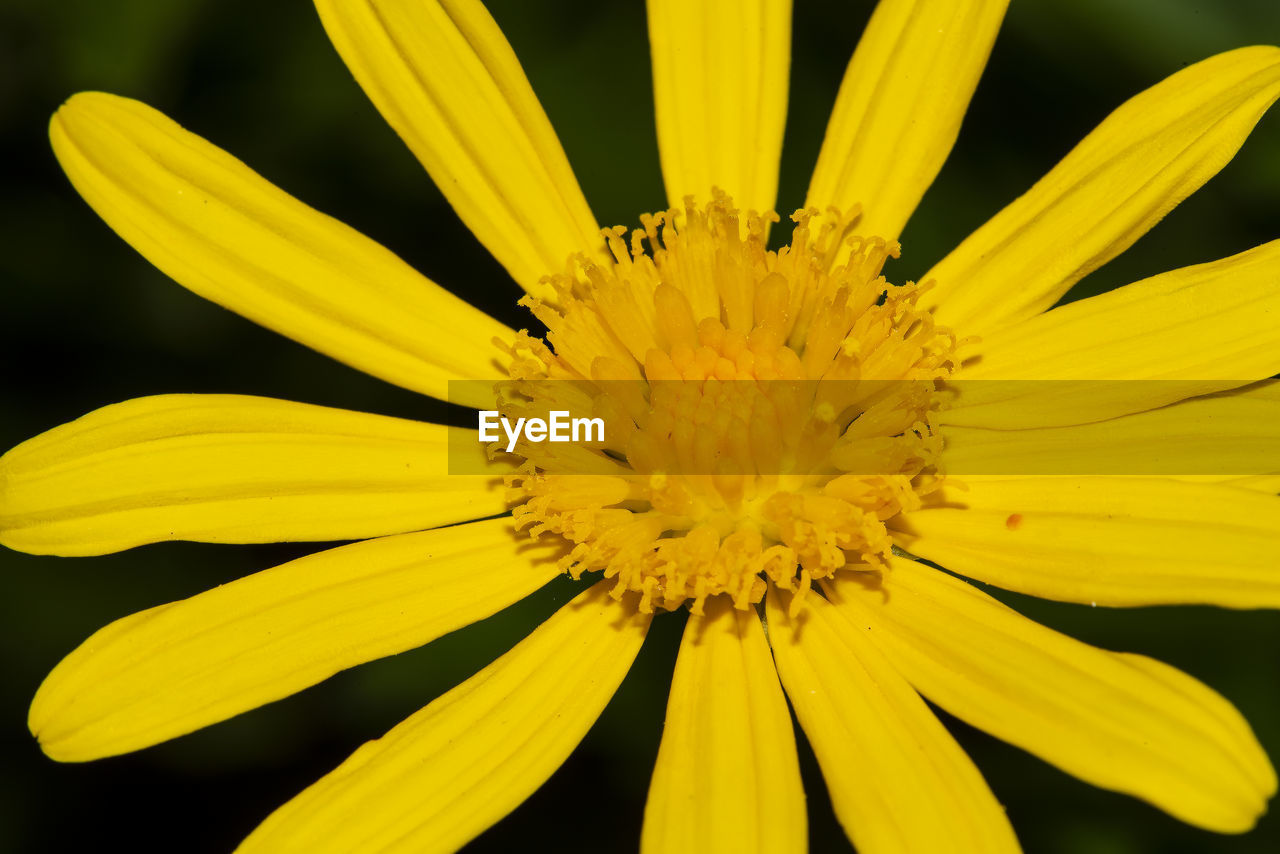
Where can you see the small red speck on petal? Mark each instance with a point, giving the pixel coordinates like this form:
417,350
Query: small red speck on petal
1013,521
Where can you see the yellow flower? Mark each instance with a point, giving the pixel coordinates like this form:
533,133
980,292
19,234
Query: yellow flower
857,630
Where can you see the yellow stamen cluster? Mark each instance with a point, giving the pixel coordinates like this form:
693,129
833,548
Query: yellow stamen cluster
767,411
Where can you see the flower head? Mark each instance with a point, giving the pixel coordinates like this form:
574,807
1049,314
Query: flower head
735,376
788,420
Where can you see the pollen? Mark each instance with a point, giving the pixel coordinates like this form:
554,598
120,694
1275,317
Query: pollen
768,411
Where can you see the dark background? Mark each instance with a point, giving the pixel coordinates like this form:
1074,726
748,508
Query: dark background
85,322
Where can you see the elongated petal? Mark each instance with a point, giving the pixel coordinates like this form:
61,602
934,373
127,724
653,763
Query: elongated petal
1105,540
898,780
445,78
221,230
1235,433
443,776
1213,321
171,670
1190,331
230,469
720,75
727,778
1135,167
900,105
1122,722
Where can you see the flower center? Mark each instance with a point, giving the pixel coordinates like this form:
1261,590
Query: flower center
766,411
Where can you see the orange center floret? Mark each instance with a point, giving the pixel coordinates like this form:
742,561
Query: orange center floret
766,411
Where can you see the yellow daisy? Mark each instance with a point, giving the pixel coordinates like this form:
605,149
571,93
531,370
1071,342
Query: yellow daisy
805,578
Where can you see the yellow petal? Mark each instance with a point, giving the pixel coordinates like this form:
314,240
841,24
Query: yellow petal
1122,722
899,109
230,469
221,230
1135,167
1186,332
443,776
727,778
1213,321
1235,433
1105,540
898,780
445,78
721,70
171,670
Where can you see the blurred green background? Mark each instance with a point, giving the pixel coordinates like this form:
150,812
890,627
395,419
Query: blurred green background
86,322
